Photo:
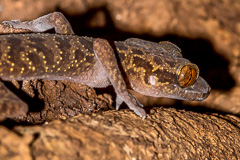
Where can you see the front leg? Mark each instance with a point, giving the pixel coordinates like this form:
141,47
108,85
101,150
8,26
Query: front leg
54,20
105,55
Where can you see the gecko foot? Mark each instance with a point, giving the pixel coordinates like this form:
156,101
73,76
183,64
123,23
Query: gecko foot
133,104
139,111
12,23
137,107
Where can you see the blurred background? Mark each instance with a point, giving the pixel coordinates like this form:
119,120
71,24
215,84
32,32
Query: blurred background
208,32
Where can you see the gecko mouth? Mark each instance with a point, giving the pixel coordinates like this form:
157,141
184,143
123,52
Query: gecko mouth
199,91
195,96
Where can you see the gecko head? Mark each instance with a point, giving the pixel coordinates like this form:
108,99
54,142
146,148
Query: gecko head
156,70
182,82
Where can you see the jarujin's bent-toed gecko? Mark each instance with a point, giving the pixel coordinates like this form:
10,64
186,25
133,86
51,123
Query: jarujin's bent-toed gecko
153,69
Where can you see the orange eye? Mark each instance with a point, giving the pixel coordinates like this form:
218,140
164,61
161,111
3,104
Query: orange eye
188,75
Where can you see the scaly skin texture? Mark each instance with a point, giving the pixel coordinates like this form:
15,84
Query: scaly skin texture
152,69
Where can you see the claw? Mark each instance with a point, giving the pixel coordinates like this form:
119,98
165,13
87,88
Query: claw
119,101
141,112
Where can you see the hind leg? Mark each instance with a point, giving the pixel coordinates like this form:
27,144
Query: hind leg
54,20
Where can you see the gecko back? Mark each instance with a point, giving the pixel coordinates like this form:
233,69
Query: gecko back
31,56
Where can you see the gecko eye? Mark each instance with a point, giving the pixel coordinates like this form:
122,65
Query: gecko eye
188,74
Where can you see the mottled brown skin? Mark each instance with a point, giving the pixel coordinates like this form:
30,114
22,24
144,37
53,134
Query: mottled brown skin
152,69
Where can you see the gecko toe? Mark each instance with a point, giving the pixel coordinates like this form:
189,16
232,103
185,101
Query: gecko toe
141,112
11,23
119,101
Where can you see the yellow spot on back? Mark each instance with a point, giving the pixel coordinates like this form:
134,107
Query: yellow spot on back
33,68
11,69
9,57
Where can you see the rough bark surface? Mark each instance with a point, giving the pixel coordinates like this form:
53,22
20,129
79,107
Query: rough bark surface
208,33
61,100
166,133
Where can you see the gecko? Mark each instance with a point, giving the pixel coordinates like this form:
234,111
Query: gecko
152,69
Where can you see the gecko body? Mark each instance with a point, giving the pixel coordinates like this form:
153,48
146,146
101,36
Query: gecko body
153,69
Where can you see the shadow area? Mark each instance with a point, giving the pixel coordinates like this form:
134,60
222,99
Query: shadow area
34,105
